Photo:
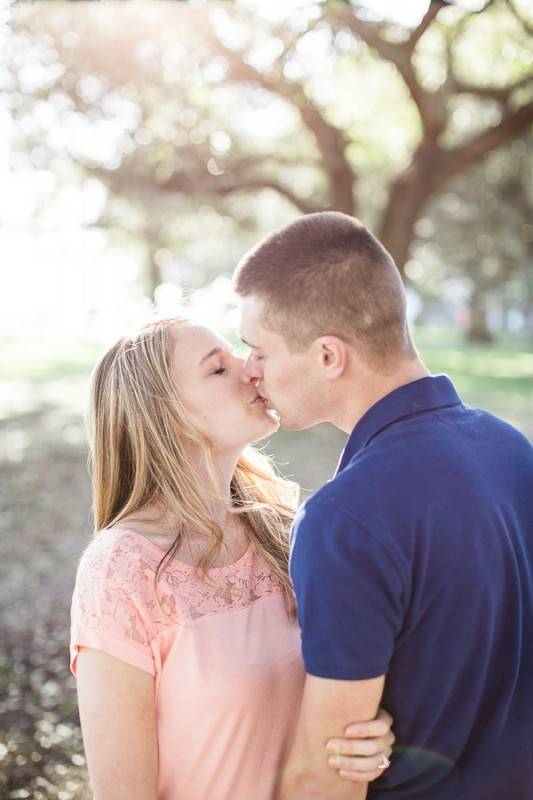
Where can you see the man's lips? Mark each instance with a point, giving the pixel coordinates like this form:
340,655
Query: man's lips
260,400
257,398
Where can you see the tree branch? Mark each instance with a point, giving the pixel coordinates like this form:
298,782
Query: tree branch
456,85
124,180
433,9
430,106
527,26
458,159
331,141
344,14
248,184
501,94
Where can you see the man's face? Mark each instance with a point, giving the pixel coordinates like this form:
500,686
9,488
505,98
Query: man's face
290,382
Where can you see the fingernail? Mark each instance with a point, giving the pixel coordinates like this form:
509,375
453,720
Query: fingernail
353,730
332,745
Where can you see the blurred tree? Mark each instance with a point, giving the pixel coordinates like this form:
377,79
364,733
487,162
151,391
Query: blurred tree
329,107
443,150
483,228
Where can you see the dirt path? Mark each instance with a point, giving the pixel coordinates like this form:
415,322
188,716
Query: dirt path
44,498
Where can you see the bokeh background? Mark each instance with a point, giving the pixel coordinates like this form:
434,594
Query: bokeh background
144,147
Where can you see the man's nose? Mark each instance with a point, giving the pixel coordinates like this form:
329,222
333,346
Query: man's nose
251,373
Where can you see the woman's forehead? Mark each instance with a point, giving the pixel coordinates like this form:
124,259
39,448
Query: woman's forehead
193,339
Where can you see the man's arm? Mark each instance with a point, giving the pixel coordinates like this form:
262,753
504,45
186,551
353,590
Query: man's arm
328,707
350,598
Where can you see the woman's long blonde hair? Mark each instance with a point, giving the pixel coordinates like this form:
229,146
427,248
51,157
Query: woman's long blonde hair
140,436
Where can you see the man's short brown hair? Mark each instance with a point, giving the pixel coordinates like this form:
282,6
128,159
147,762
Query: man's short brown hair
326,274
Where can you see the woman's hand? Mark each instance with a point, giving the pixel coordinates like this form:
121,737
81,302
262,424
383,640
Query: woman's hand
367,745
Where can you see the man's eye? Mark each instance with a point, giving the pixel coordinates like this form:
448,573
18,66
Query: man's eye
219,371
259,358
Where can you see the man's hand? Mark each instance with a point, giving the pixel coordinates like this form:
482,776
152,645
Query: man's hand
358,753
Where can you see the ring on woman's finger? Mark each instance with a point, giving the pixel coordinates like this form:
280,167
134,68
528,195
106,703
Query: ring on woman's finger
384,762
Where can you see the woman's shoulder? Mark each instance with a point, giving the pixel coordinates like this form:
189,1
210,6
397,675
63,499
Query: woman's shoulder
117,554
112,592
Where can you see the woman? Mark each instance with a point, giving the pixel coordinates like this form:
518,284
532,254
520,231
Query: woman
184,640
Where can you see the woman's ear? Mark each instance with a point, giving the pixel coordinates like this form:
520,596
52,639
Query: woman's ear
333,356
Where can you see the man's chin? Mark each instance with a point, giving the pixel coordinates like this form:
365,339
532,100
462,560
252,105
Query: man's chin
292,424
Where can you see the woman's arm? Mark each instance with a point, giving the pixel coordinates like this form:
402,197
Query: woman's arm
118,721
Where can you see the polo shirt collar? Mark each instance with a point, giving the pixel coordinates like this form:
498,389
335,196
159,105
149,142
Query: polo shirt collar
424,394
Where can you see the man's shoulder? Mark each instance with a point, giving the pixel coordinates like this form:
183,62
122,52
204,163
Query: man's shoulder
502,431
362,482
403,450
343,503
467,423
335,497
401,473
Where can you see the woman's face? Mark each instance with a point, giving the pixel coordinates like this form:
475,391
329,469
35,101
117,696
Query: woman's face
218,397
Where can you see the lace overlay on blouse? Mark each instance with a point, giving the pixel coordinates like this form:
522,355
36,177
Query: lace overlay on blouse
115,588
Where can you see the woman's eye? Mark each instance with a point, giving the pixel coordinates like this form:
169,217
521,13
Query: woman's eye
258,358
219,371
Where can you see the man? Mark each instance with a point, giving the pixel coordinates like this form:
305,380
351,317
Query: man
413,567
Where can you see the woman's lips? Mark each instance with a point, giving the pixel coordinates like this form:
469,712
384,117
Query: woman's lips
264,403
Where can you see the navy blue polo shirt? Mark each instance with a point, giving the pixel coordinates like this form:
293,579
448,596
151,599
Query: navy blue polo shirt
416,562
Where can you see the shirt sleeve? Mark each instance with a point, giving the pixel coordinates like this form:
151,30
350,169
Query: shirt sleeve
349,595
107,610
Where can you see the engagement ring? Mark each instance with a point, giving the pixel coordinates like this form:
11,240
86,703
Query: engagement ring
384,763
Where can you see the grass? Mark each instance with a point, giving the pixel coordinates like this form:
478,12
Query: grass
46,359
498,377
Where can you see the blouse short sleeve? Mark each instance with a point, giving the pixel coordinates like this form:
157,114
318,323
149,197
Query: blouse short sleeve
107,610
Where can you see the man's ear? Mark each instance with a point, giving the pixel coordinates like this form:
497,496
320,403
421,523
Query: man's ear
333,355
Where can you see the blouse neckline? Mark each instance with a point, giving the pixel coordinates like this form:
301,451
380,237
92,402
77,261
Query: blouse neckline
183,564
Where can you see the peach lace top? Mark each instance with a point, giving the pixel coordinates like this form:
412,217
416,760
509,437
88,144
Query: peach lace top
228,671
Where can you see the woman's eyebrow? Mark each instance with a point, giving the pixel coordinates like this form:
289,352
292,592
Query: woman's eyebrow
212,352
216,351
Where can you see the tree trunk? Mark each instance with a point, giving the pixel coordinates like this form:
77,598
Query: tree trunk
408,195
478,330
342,194
332,144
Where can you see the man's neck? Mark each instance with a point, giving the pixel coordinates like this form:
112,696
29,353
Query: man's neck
356,400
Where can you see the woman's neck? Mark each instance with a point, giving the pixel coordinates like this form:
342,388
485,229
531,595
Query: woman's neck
157,521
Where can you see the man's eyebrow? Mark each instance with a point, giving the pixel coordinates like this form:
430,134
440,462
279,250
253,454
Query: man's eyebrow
243,340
